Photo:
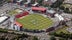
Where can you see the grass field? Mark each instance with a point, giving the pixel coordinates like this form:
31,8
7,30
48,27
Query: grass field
35,21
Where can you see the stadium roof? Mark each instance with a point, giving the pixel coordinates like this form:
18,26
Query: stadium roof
17,23
39,8
59,16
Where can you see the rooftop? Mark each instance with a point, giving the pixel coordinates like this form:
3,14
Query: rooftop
3,18
51,11
68,1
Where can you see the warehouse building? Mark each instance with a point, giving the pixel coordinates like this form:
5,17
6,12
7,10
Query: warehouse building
4,20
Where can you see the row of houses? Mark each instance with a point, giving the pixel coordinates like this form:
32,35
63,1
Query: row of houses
34,2
67,6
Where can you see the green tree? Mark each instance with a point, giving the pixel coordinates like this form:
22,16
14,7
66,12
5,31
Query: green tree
70,36
8,1
57,3
40,2
52,38
35,38
62,39
32,1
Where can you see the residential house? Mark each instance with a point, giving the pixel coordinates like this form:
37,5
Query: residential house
67,5
48,2
51,12
68,1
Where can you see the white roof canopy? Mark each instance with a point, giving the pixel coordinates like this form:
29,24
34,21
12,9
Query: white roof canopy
59,17
3,18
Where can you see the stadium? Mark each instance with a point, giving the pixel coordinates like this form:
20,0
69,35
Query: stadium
32,21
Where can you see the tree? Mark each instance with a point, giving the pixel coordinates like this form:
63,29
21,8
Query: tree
2,38
62,7
57,3
62,39
52,38
32,1
40,2
35,38
8,1
70,36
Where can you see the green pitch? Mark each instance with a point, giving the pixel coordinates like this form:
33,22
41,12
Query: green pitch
35,21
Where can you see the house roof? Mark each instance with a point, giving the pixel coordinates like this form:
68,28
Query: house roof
35,4
50,1
66,5
39,8
19,0
68,1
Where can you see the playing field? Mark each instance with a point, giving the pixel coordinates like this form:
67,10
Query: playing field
35,21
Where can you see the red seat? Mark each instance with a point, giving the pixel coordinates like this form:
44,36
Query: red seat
22,14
